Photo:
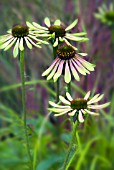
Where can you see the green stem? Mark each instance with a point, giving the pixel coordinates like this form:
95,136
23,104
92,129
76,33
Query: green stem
58,82
71,145
24,101
69,87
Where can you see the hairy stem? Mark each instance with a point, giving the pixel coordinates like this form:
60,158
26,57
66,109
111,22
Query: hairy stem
75,125
24,101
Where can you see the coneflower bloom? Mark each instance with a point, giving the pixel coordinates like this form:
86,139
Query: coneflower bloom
57,32
78,107
106,14
19,35
68,62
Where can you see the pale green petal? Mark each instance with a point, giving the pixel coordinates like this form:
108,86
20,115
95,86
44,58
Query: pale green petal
74,38
57,22
58,110
80,117
16,49
72,25
79,34
95,97
96,100
74,72
21,44
36,45
29,45
91,113
30,25
58,106
53,71
79,68
67,75
4,45
55,43
39,26
66,41
10,44
64,100
62,113
72,113
87,95
83,54
47,21
69,96
50,68
99,106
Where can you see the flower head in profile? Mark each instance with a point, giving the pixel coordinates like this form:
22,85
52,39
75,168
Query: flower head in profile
105,14
19,35
57,32
78,107
68,62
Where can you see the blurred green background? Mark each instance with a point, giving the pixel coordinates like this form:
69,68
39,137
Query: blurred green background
94,149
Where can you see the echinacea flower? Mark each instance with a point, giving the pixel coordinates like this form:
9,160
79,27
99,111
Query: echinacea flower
105,14
57,32
78,107
19,35
67,62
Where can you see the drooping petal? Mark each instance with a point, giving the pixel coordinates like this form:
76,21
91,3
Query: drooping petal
96,100
69,96
78,68
91,113
55,43
29,45
57,22
58,106
21,44
66,41
72,25
59,71
67,75
47,21
74,72
81,66
4,45
50,68
64,100
53,71
36,45
10,45
72,113
99,106
80,117
16,48
88,65
62,113
87,95
38,40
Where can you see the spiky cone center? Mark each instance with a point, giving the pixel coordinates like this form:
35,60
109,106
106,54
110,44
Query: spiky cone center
58,30
20,31
79,103
110,15
66,52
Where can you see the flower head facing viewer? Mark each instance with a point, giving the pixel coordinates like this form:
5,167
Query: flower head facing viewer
67,62
78,107
19,35
57,32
